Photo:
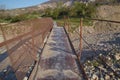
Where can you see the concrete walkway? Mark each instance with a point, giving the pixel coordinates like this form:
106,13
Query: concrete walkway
57,60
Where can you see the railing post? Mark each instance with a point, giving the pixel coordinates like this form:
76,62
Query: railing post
6,45
69,26
80,45
42,39
65,23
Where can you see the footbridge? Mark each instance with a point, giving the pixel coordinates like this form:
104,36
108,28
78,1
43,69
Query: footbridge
39,49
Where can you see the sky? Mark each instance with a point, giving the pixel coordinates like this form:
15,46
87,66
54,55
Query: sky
13,4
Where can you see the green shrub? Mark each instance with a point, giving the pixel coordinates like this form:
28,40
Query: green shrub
12,19
77,10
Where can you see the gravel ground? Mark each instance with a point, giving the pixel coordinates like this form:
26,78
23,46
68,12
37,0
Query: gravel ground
106,46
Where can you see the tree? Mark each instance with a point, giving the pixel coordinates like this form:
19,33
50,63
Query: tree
90,10
56,13
82,10
77,10
47,12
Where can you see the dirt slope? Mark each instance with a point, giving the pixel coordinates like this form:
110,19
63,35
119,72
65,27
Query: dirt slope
108,12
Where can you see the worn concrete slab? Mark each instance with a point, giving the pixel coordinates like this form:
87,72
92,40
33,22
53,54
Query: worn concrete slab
57,60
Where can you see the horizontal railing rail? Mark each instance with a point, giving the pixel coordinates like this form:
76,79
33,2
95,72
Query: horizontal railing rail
23,50
104,20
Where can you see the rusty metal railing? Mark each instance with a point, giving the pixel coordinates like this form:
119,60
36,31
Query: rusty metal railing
67,27
81,40
22,43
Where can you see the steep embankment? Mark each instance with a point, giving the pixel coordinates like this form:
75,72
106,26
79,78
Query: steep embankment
102,36
107,12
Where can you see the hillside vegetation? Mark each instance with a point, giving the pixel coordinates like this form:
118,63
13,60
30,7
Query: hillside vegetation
76,10
73,12
6,18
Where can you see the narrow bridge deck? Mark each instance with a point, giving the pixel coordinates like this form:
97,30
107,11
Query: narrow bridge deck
57,60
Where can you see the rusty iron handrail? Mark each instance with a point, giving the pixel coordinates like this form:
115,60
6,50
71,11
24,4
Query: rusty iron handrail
32,36
80,66
112,21
81,38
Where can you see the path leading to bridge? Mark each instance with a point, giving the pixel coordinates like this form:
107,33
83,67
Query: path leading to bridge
57,60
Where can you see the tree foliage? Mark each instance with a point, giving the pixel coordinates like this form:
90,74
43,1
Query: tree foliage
76,10
11,19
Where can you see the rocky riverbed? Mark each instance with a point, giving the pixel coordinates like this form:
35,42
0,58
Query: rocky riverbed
100,54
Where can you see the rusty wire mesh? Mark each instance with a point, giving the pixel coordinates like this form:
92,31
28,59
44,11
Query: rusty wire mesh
100,47
22,43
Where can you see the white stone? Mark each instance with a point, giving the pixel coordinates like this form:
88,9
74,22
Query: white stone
117,56
94,77
109,58
100,54
25,78
107,77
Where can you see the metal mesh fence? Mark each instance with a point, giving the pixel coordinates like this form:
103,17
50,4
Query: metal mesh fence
100,47
22,44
